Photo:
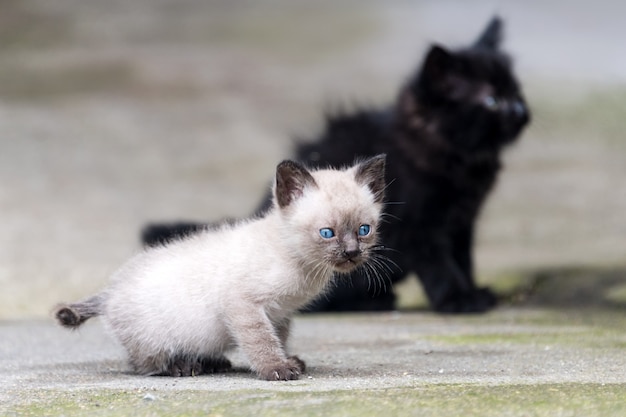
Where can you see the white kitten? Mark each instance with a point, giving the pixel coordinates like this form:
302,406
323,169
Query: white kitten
178,308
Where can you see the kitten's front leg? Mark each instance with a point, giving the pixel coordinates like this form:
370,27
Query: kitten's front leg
282,329
256,336
447,287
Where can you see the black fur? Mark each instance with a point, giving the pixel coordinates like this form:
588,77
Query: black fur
160,234
443,138
182,365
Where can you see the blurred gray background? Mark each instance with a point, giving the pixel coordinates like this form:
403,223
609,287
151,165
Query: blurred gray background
115,113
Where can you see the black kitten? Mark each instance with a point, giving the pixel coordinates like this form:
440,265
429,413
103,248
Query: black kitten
443,138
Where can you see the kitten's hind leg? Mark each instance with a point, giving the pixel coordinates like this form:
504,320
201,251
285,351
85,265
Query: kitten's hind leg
177,365
184,365
212,365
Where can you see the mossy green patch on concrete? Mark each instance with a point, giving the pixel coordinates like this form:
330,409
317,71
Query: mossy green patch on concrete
595,114
566,286
588,327
506,284
593,320
577,287
469,400
617,294
582,338
571,286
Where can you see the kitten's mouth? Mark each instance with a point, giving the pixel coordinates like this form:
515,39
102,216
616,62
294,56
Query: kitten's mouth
346,265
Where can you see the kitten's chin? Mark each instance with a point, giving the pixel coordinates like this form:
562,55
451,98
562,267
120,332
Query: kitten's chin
346,266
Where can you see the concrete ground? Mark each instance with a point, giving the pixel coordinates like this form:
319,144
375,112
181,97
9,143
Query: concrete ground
513,362
117,113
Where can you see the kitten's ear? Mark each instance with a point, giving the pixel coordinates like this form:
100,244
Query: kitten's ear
291,180
371,172
491,36
438,63
430,85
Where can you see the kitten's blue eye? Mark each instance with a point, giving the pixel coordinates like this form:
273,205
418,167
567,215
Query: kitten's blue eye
490,102
327,233
364,230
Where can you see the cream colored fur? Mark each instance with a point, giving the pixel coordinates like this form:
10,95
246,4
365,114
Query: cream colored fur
239,285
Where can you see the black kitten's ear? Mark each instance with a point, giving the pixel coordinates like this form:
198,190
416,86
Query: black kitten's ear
438,63
371,172
491,36
291,180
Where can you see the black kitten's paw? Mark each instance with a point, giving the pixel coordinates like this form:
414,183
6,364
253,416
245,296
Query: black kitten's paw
485,299
215,365
286,371
477,301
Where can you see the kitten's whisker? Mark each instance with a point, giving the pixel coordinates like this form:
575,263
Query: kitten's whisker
385,264
376,266
365,269
370,274
383,248
389,182
385,261
372,278
384,216
317,269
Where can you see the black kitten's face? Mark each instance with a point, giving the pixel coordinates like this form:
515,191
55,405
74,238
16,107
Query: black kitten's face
474,96
485,88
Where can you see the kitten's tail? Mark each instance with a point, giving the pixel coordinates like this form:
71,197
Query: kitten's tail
75,314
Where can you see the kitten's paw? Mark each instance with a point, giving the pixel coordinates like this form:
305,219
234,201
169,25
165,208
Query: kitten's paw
287,371
215,365
479,300
485,299
298,363
184,367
